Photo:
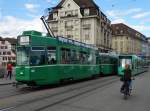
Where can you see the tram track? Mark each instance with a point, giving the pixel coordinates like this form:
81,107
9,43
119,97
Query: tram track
73,96
70,92
12,92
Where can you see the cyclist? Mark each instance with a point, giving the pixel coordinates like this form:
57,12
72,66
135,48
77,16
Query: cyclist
126,78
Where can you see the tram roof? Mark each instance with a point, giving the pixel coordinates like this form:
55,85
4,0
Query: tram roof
60,39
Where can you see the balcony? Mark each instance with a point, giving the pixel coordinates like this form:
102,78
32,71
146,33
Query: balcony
69,15
69,27
86,26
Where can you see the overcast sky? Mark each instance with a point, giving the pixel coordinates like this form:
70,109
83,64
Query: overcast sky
19,15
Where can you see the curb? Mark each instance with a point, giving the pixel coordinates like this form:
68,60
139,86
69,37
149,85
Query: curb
2,84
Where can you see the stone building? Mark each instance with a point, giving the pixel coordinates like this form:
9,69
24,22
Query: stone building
126,40
81,20
7,51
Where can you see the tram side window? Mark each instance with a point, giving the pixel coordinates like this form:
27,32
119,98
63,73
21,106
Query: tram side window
73,57
105,60
91,58
112,60
78,58
37,56
83,58
65,56
23,55
51,55
123,62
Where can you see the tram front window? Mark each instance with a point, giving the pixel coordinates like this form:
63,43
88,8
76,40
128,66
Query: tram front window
23,56
123,62
37,56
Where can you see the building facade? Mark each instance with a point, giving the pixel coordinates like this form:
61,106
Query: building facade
126,40
7,51
148,39
81,20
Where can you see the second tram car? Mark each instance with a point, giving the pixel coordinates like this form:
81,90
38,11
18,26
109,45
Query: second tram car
108,64
136,63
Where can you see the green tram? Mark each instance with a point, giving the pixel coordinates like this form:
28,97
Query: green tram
108,64
137,64
43,60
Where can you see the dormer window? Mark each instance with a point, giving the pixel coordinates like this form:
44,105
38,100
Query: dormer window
86,12
76,12
121,32
55,15
68,5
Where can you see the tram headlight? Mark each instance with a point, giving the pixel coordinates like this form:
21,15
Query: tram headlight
24,40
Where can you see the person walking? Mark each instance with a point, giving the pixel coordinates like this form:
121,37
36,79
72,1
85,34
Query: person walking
9,70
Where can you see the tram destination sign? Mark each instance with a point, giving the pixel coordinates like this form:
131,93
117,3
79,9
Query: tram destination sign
24,40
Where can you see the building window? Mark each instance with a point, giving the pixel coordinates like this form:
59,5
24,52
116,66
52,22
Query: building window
76,12
4,58
121,32
86,12
8,53
9,58
121,46
87,37
116,32
61,14
70,36
4,53
3,42
117,28
102,29
116,45
2,47
127,49
76,22
68,5
13,58
55,16
68,13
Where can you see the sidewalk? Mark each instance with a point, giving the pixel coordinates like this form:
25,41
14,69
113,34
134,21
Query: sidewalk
4,81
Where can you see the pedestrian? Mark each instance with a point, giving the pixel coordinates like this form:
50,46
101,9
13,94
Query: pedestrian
9,70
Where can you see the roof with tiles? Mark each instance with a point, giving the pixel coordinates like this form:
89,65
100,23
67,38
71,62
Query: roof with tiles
126,30
10,40
83,4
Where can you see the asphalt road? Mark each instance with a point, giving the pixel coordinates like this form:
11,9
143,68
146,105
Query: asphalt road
110,99
94,95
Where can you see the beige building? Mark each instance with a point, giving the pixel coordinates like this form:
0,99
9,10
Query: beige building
148,48
81,20
127,40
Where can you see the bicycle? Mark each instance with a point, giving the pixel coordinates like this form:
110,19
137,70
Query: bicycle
126,89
